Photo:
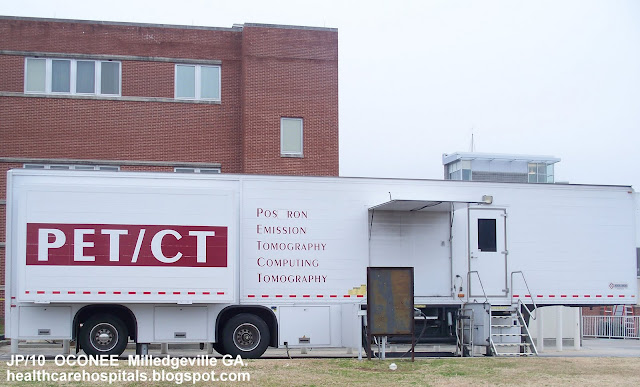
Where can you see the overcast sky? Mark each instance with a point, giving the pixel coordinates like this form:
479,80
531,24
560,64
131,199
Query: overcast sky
417,78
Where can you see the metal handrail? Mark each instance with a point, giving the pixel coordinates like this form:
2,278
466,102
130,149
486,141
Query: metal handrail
526,327
486,299
529,290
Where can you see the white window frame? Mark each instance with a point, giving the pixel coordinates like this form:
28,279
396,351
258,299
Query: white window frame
548,177
77,167
197,80
196,170
284,153
72,77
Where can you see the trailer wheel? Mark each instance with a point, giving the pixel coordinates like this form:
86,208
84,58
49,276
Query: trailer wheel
246,335
103,334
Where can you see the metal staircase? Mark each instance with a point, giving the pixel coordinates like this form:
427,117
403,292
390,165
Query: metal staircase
509,332
502,330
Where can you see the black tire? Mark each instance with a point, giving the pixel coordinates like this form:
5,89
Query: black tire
246,335
103,334
218,347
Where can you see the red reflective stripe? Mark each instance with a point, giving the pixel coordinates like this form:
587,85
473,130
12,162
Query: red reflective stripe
552,295
251,295
265,296
516,295
292,295
278,295
26,292
176,292
206,293
361,295
598,295
587,295
540,296
319,296
56,292
610,295
146,292
575,296
622,295
40,292
71,292
86,292
132,292
162,292
333,296
347,295
192,293
306,296
527,295
220,293
102,292
117,292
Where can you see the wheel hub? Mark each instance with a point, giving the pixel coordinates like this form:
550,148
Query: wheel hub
246,337
104,337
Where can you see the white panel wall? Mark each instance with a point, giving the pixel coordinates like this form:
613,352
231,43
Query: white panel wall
414,239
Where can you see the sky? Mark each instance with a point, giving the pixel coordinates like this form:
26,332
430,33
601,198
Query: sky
418,78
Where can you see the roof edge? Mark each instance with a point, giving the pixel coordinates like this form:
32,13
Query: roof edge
114,23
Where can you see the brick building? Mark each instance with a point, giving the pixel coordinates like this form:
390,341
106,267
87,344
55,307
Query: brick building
252,98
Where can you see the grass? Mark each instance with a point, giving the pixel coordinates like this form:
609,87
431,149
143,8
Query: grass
423,372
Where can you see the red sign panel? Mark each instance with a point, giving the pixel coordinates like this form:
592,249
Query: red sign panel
126,245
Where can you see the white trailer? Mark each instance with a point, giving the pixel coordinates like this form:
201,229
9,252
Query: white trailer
247,262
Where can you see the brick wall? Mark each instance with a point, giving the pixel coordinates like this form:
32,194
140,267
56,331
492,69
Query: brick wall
283,79
267,72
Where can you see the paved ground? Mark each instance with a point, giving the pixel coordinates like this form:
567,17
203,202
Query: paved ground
598,348
590,348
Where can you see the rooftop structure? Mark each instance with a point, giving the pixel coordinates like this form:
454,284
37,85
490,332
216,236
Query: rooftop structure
496,167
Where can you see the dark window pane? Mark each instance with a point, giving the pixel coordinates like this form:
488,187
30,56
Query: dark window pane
110,78
487,235
85,76
60,76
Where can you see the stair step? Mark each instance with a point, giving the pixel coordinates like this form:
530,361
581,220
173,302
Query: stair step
510,316
509,334
505,326
511,344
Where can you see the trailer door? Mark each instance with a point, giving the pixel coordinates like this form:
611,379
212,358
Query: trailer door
487,252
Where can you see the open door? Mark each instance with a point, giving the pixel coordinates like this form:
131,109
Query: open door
487,252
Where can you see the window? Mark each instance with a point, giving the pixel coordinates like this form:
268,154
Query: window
197,82
111,168
291,137
540,173
71,76
487,235
460,170
196,170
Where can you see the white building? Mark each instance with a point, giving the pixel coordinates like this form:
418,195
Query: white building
506,168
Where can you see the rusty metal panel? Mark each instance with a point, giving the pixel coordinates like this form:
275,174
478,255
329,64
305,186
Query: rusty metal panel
390,301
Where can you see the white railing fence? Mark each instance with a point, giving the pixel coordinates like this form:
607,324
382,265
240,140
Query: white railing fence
611,327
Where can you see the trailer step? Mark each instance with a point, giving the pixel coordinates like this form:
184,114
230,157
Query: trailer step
511,344
508,325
